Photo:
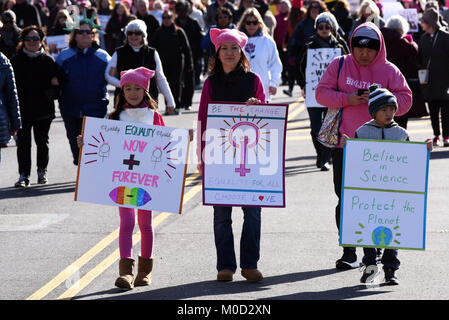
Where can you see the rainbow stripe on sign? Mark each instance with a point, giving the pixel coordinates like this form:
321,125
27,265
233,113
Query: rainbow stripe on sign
131,196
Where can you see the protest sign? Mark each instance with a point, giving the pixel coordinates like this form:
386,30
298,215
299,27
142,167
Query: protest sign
132,165
317,62
391,8
57,43
244,155
384,194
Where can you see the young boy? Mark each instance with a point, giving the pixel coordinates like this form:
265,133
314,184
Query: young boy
382,106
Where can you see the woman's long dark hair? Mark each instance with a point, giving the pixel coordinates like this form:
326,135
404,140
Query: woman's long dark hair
121,102
215,65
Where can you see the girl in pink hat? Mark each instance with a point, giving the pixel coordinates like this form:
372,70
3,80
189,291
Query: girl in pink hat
231,80
134,104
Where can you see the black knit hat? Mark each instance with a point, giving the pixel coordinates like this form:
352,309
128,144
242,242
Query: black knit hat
379,98
365,37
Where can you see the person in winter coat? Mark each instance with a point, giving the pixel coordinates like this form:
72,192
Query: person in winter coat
224,20
151,22
433,55
136,53
402,52
120,17
173,46
10,121
231,80
368,12
194,34
303,31
84,85
366,64
280,33
36,77
26,14
9,34
261,51
325,24
211,13
59,25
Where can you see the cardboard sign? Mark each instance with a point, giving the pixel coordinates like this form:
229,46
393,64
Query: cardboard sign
384,194
132,165
244,155
317,62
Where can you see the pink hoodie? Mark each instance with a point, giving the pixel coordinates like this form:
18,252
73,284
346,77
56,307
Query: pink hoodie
353,77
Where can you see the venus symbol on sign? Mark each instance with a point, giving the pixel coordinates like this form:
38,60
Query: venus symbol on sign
246,140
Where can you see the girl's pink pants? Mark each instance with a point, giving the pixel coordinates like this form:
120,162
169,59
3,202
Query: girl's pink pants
127,222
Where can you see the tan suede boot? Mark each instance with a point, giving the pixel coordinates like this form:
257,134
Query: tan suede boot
126,268
252,275
144,268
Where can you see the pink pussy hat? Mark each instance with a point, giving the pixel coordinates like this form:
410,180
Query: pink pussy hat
140,76
218,37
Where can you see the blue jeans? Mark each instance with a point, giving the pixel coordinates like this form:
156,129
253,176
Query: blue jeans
389,258
249,241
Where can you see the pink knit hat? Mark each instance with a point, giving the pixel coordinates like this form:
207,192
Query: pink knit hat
218,37
140,76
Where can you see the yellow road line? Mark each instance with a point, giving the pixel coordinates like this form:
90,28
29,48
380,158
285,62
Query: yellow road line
85,258
114,256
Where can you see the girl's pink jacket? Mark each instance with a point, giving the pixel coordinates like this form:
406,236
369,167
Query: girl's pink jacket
353,77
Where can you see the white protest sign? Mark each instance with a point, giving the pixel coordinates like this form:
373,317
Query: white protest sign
317,62
61,41
244,155
391,8
384,194
411,15
132,165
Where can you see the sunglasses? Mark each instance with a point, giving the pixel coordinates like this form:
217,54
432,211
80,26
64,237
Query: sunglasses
8,22
134,33
314,6
252,22
84,31
324,27
34,38
166,17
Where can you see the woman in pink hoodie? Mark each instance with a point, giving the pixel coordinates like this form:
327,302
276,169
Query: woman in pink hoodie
366,64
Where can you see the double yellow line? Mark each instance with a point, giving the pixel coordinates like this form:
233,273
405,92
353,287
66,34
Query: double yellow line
72,270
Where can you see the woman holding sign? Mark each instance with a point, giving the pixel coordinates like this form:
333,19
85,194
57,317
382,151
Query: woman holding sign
231,80
347,88
326,26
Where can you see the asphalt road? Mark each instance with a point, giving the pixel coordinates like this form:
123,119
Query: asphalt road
55,248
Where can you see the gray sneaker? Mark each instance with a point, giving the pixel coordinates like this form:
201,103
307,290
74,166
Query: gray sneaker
23,182
42,176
